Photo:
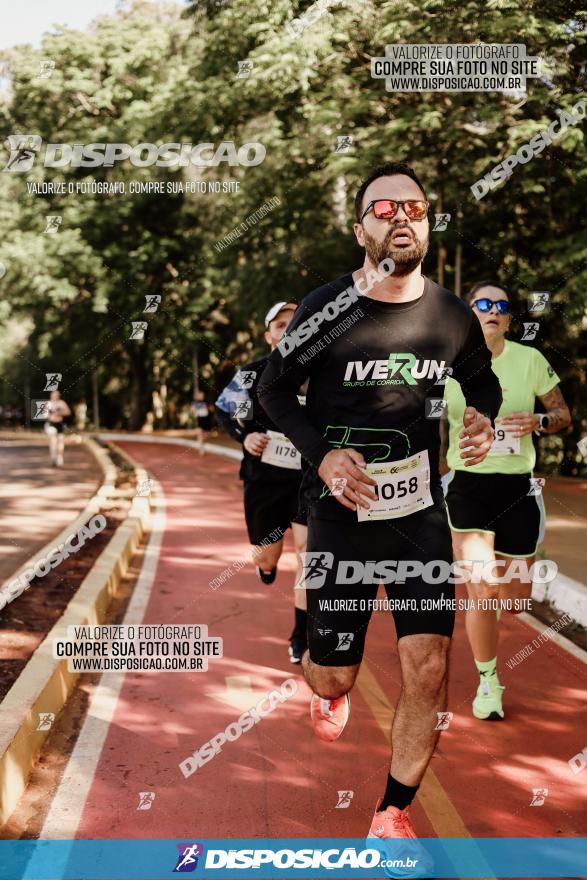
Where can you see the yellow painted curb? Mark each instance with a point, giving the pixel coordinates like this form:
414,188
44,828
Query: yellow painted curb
45,683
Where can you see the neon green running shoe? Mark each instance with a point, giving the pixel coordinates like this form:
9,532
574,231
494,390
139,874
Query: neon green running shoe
487,705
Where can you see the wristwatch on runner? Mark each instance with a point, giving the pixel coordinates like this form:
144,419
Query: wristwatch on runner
543,423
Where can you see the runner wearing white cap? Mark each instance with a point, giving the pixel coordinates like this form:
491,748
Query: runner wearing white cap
271,471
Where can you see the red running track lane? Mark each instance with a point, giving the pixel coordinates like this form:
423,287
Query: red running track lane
278,780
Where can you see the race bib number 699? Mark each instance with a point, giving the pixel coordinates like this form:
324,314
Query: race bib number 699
504,442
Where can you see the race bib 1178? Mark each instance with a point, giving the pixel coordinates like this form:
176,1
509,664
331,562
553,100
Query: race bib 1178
281,452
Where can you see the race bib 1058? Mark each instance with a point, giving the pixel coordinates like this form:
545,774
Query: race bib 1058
402,488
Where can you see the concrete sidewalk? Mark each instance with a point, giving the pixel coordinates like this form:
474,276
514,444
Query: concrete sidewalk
566,522
36,500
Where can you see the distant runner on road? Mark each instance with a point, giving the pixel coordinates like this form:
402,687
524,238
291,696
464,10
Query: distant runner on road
271,471
203,416
375,351
58,411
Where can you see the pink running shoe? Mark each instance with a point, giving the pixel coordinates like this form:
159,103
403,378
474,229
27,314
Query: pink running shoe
402,859
329,717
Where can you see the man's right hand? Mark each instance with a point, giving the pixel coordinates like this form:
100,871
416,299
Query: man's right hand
348,464
256,442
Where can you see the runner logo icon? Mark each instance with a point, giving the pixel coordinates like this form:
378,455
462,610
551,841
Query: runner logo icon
23,151
316,565
536,485
146,799
39,409
144,488
344,800
138,329
243,410
46,719
245,378
441,222
189,853
539,301
343,143
344,641
446,374
53,380
46,68
530,331
444,719
434,407
245,68
153,301
578,762
54,221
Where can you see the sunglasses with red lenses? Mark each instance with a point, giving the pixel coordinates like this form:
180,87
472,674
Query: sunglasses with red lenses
386,209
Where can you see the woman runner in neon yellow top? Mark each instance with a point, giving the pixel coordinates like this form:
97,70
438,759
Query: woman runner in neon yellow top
495,507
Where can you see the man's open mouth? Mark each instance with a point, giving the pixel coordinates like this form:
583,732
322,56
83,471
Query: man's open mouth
402,237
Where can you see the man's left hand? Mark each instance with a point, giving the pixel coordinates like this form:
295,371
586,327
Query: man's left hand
476,436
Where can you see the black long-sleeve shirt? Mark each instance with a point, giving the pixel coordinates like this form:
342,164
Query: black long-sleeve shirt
371,366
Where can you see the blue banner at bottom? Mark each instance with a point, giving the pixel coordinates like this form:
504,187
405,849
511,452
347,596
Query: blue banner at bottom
483,857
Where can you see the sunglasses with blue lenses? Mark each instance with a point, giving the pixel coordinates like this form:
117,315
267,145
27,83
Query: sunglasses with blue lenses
484,304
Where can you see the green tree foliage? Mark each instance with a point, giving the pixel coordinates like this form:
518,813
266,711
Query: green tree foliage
152,74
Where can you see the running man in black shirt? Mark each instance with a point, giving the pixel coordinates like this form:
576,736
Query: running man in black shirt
271,471
376,350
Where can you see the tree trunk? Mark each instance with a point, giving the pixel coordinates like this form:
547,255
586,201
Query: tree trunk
139,393
196,372
95,398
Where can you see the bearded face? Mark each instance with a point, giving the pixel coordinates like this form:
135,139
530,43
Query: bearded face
400,243
400,238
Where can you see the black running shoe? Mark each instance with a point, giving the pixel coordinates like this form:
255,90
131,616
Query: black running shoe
267,576
297,645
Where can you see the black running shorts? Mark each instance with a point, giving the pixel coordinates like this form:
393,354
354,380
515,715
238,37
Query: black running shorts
339,613
270,508
301,517
500,504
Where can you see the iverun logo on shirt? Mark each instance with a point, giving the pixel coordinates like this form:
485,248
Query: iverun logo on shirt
399,369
